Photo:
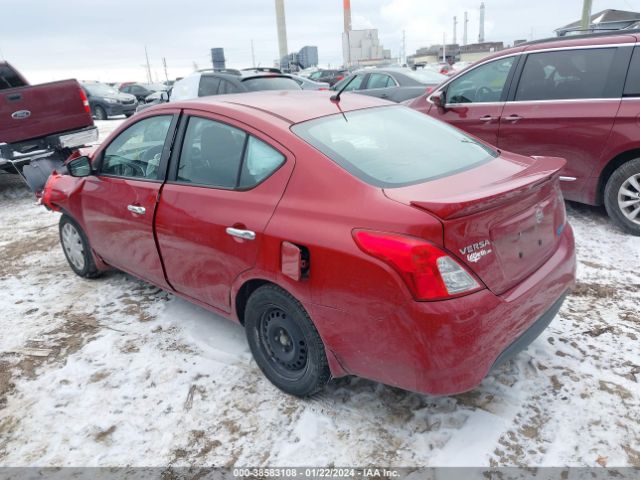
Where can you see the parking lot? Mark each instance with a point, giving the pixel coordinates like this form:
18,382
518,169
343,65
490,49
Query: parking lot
115,372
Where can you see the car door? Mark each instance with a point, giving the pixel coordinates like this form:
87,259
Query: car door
474,100
224,185
380,85
119,201
564,105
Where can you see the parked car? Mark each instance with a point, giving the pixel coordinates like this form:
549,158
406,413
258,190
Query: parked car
209,82
444,257
155,98
395,84
328,76
40,125
139,91
575,97
106,101
307,84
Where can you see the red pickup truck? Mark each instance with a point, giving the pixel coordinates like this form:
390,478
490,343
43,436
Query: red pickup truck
40,125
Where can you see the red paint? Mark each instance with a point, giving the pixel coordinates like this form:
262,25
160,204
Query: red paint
589,134
361,298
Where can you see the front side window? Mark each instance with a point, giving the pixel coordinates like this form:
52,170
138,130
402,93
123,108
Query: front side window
568,74
136,152
380,80
632,85
482,84
393,146
356,84
208,86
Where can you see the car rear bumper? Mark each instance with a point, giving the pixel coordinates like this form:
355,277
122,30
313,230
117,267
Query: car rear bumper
448,347
118,109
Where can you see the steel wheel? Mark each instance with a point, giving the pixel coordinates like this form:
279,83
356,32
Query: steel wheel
73,246
283,342
629,198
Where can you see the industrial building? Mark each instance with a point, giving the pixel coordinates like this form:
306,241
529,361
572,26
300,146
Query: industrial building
363,48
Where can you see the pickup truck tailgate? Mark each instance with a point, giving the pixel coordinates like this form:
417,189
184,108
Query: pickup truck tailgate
35,111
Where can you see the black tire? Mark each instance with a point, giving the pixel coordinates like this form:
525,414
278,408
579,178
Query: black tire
100,113
128,114
285,343
75,246
615,196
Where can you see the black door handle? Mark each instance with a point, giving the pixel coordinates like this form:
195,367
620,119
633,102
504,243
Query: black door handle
12,97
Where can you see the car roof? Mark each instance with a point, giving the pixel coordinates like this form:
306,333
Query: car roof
291,106
592,39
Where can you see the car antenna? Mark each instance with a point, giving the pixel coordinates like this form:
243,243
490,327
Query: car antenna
336,98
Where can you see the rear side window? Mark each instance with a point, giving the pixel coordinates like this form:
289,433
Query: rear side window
632,87
260,161
393,146
270,83
9,78
218,155
485,83
380,80
208,86
568,74
227,87
211,154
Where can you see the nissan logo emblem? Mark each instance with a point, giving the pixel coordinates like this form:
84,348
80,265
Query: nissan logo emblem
20,114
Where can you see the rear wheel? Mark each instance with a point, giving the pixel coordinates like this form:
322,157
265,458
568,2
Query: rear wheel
76,248
285,343
99,113
622,196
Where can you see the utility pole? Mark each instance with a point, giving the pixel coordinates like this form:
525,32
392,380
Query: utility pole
466,27
253,56
444,48
455,30
586,14
148,65
404,48
164,64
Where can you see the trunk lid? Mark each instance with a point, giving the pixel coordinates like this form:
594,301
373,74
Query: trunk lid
503,219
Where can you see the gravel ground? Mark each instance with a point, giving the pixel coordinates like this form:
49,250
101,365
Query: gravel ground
114,372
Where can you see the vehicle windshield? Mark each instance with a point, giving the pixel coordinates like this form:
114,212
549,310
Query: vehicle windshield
393,146
270,83
100,90
426,77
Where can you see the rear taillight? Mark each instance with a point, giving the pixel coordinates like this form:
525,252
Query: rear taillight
85,101
339,77
429,90
429,272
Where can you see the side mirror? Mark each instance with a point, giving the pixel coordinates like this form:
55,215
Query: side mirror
164,96
439,99
79,167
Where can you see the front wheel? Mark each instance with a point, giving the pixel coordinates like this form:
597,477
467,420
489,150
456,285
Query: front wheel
622,196
285,343
76,248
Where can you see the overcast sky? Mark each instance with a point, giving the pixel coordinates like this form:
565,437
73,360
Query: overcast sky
105,40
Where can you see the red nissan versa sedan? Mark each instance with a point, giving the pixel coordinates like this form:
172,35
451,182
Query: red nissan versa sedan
576,97
348,237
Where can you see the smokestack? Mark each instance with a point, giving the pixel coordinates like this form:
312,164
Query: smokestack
347,15
455,30
466,26
282,29
481,36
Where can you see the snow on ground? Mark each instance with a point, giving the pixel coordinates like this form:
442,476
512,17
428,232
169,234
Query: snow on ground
114,372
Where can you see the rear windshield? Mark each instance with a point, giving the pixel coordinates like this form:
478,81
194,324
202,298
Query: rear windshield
9,78
393,146
270,83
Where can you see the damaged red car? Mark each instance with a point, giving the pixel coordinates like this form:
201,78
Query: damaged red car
348,236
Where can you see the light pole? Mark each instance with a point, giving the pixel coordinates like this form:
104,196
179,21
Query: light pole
586,14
